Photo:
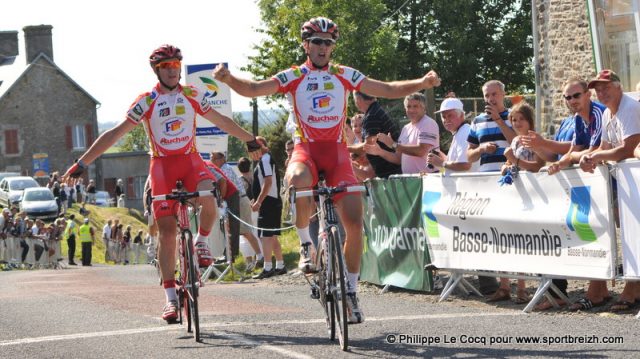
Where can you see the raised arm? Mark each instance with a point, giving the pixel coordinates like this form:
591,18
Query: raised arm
397,89
245,87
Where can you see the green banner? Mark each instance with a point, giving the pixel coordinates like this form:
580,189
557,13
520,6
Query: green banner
395,248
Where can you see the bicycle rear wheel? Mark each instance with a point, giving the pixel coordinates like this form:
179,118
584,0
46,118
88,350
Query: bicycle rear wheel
191,285
338,287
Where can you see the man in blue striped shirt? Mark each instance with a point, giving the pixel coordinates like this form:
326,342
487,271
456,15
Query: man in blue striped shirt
491,132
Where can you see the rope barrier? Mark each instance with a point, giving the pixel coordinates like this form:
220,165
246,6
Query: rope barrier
265,229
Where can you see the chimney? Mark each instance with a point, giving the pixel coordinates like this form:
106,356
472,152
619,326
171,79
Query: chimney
38,39
8,47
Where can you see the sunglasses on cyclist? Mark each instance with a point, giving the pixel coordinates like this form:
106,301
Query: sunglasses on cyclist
169,65
319,41
575,95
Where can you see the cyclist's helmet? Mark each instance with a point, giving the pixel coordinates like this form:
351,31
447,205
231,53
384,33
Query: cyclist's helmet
319,24
164,52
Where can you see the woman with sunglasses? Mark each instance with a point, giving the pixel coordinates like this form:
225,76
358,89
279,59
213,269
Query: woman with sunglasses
168,113
318,92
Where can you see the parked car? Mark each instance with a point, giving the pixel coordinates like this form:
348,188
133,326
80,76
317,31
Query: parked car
103,199
8,174
11,189
38,202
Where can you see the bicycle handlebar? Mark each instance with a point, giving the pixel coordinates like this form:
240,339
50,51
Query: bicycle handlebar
182,195
323,191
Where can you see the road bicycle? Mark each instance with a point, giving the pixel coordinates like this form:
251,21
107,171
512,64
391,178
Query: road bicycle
188,280
329,282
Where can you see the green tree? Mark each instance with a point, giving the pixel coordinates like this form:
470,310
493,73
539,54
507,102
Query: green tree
360,45
135,140
479,41
236,147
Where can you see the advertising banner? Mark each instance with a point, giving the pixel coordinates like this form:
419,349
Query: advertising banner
555,225
40,165
628,175
210,138
395,246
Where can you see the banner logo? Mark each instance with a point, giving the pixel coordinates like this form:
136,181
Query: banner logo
212,87
429,201
578,215
321,101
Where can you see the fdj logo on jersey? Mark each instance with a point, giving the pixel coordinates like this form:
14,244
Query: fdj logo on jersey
173,126
578,215
322,101
429,201
212,87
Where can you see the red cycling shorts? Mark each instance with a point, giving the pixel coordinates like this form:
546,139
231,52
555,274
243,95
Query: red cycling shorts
165,171
332,158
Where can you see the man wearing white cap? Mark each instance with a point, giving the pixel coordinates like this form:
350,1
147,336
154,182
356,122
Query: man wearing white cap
452,113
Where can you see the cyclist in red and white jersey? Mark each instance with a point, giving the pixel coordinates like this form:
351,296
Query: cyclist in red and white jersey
318,91
168,114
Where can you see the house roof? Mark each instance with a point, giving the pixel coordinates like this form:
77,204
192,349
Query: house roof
10,75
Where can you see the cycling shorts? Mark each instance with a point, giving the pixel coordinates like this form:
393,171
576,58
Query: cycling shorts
165,171
332,158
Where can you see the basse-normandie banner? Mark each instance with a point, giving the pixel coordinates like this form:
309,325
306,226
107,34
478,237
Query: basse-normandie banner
559,225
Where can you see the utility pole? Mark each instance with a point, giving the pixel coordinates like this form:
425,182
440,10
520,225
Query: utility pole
254,105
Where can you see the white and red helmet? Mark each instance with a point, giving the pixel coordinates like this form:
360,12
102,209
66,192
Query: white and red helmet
319,24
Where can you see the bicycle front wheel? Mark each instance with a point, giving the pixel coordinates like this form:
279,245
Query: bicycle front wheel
338,285
191,284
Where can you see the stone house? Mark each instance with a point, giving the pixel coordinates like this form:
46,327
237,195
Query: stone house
578,38
46,119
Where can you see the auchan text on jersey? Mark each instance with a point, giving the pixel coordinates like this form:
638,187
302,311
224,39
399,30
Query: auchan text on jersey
165,141
313,118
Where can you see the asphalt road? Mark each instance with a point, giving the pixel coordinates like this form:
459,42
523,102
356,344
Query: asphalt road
113,312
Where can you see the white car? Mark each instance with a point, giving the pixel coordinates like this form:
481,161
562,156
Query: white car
11,189
39,203
103,199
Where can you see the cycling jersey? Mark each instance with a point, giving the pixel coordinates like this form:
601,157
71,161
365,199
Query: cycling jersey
169,119
318,99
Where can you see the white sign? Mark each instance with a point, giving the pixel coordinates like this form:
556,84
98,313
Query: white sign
210,138
555,225
628,175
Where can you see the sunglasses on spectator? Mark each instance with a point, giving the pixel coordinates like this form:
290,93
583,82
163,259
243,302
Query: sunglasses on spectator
319,41
575,95
169,65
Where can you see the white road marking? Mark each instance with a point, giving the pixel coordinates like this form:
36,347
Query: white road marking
53,338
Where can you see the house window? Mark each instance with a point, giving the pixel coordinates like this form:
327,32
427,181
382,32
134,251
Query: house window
79,138
11,142
616,28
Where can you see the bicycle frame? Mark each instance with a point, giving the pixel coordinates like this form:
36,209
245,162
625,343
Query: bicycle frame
329,283
189,281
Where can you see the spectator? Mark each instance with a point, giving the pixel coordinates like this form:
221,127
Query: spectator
60,196
491,132
244,166
91,192
620,136
490,135
587,124
354,130
106,239
70,191
268,204
417,138
116,239
452,114
119,190
243,210
79,190
284,191
376,121
137,247
5,220
70,233
25,237
125,244
87,239
38,235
